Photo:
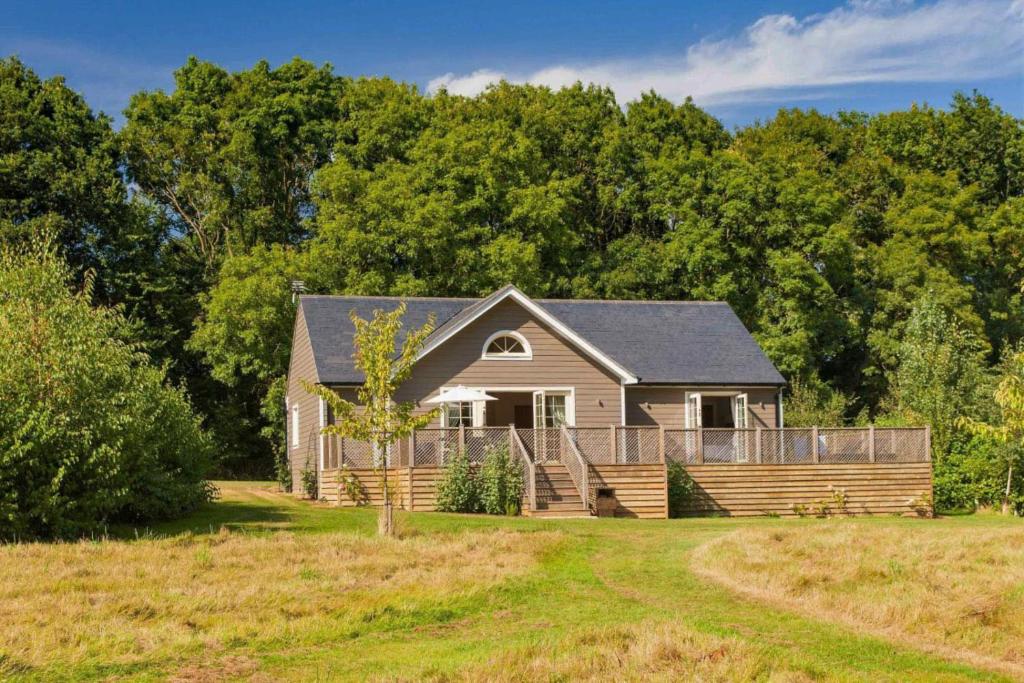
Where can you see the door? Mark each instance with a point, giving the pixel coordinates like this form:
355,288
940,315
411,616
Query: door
691,420
740,419
523,417
540,453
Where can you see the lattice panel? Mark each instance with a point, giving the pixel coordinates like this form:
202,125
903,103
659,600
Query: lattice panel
681,446
481,440
594,443
843,445
435,446
780,446
357,454
729,445
900,445
637,445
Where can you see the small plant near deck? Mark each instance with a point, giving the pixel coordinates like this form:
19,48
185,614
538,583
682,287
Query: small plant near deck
349,483
840,501
680,489
922,504
309,480
458,490
501,483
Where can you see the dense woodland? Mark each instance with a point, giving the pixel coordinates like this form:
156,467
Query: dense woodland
878,259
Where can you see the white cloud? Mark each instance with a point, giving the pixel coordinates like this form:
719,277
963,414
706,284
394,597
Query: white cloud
865,41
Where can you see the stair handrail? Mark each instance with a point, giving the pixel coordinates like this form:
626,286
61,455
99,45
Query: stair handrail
582,482
531,469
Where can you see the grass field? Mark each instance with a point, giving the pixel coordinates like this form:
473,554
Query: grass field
259,586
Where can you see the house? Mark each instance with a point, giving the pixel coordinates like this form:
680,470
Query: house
580,389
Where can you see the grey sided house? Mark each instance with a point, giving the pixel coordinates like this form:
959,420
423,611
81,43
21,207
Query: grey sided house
594,397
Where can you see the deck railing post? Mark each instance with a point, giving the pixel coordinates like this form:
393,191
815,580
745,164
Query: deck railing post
815,456
700,445
927,443
462,439
661,444
871,443
757,444
613,451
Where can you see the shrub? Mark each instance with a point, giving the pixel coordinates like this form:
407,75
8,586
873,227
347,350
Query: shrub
458,490
680,489
90,431
501,483
309,480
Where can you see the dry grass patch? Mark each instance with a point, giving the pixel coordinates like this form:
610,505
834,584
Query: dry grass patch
641,652
116,604
956,591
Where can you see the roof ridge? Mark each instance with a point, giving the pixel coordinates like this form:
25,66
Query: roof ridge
702,302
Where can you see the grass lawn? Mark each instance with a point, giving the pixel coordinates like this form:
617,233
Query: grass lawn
259,586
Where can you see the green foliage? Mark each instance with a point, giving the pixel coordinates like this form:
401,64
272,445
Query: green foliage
310,483
811,402
941,372
501,482
680,488
458,489
90,431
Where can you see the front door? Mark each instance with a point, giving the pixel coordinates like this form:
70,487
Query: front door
523,417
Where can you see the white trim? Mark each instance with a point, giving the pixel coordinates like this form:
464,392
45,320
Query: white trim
778,414
527,349
550,320
570,392
622,403
320,435
296,440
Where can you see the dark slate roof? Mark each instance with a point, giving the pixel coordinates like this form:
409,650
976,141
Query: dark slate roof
661,342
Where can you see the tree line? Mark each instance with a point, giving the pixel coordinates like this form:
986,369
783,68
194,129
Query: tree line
842,241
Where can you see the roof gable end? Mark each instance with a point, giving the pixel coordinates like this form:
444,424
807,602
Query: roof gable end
473,312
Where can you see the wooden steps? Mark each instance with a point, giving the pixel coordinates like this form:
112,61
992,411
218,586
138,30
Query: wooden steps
557,495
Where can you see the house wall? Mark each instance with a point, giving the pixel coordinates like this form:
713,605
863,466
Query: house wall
555,363
301,367
665,406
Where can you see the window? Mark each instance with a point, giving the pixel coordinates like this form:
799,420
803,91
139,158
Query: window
456,414
554,410
507,345
295,427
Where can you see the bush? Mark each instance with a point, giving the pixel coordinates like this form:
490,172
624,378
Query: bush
458,490
501,483
680,489
90,431
973,474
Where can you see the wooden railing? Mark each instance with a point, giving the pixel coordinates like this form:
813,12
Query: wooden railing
579,469
529,468
577,446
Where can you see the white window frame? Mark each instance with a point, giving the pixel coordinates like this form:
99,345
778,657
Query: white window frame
295,426
542,395
527,353
692,410
446,407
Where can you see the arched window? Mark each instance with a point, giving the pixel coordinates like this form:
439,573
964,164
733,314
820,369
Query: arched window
507,345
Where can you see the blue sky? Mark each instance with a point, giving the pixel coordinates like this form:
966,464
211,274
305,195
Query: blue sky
740,60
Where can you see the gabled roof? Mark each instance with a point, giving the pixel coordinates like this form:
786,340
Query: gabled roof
658,342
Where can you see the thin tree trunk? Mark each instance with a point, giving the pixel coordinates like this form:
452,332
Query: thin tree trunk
1006,494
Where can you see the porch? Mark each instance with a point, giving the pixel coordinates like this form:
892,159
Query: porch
736,471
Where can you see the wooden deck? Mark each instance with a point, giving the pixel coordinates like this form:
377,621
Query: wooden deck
735,472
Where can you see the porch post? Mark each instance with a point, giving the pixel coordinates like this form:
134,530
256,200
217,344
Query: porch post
814,444
462,438
412,464
927,443
871,443
612,450
757,445
661,444
700,444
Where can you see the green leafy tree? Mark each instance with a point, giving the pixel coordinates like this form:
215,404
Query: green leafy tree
90,430
941,373
458,489
812,403
377,418
1007,427
501,482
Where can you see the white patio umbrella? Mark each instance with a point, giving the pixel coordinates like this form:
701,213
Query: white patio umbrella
460,394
